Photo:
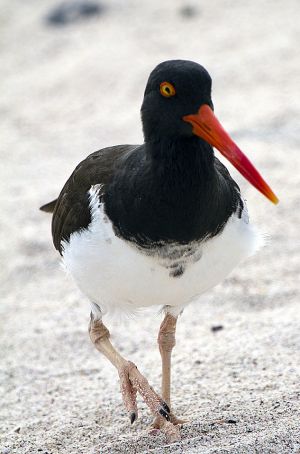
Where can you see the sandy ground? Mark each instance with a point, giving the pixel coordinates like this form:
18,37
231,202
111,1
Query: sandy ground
71,89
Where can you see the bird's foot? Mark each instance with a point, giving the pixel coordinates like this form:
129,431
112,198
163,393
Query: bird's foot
131,382
171,431
156,424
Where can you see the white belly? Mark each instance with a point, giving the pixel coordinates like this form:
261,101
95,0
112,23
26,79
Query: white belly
117,275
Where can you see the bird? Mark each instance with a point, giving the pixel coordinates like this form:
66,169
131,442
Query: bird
157,224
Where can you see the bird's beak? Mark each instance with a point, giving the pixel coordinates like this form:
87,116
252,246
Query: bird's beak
207,126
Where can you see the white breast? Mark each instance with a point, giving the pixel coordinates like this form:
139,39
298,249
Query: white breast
116,274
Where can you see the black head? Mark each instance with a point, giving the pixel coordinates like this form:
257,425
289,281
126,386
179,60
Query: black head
177,105
188,87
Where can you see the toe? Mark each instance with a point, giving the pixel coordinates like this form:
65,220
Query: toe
140,384
128,395
132,381
177,421
171,432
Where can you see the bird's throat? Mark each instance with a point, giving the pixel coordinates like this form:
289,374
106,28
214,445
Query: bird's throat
184,162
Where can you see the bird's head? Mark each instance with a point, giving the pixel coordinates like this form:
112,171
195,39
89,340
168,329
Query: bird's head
177,104
175,88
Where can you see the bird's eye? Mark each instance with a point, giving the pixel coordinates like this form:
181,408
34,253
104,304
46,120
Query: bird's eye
167,89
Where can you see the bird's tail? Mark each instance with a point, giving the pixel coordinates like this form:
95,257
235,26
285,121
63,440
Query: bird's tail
49,207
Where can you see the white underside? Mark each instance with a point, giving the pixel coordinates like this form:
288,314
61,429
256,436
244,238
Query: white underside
116,275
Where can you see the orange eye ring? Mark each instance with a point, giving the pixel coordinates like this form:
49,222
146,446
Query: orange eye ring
167,89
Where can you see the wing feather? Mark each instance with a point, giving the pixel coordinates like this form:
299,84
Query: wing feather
72,210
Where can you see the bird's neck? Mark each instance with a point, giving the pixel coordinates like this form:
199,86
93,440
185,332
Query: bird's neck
184,161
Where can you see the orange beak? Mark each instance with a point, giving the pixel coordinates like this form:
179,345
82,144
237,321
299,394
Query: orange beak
207,126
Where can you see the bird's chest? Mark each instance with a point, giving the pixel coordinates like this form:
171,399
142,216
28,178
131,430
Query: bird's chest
179,211
119,274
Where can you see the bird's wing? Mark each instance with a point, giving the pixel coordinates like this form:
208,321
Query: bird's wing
72,210
223,171
49,207
238,203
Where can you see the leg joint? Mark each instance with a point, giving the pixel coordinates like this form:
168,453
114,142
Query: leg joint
98,331
166,340
166,335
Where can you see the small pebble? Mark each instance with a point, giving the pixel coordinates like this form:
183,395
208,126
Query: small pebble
68,12
216,328
188,11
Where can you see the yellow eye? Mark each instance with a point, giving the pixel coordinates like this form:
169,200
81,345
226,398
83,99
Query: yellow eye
167,89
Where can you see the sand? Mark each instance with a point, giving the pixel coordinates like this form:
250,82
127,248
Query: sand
67,90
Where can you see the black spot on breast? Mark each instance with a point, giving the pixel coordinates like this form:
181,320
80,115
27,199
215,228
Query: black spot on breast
177,272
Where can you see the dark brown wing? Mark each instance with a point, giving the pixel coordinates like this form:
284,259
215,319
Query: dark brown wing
72,211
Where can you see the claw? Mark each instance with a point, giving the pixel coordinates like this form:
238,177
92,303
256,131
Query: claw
166,407
163,413
132,417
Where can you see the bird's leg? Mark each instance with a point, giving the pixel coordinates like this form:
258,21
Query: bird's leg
166,342
132,381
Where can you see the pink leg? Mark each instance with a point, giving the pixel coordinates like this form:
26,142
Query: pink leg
166,341
132,381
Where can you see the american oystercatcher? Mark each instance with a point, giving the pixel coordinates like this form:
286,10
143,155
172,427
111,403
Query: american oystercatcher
158,223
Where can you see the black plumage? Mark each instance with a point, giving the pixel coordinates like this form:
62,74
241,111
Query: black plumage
170,189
